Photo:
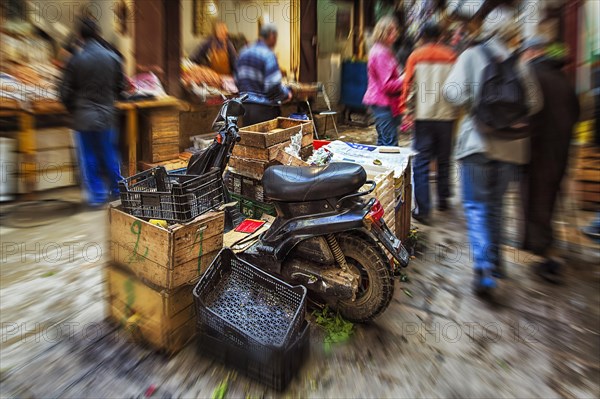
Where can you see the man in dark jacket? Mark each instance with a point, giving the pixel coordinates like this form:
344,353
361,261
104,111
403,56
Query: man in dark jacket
92,81
550,142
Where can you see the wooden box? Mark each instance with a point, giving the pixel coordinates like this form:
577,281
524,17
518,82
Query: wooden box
269,153
403,193
159,132
255,169
276,131
587,177
384,192
166,258
164,319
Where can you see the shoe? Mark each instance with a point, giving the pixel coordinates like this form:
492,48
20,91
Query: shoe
550,271
484,282
421,219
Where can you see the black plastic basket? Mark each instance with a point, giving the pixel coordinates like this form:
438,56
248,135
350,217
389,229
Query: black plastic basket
246,186
153,194
275,368
243,305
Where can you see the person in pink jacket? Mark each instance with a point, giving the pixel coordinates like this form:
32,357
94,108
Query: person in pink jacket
385,82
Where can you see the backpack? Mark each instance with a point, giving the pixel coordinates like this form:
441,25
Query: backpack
501,110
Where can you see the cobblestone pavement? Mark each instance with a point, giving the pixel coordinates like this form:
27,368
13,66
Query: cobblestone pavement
435,340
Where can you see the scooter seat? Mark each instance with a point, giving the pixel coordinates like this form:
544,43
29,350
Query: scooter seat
312,183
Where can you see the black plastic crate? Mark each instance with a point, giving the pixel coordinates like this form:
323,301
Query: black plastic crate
248,307
275,367
253,209
246,186
154,194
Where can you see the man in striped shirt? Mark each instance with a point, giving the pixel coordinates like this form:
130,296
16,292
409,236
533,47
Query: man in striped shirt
259,76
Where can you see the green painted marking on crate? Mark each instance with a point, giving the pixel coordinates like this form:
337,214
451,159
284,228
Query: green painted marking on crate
199,239
138,232
128,286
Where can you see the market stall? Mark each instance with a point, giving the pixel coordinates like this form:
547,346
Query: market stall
27,117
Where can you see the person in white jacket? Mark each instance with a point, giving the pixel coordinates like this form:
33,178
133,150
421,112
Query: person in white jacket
488,164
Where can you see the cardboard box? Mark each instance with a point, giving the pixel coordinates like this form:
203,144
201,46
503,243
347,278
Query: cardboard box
166,258
164,319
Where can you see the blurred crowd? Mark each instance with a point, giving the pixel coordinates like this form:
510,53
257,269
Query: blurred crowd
496,102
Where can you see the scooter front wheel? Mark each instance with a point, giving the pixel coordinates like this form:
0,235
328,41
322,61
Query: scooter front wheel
376,284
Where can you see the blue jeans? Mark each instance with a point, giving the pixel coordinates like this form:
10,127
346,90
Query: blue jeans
433,140
99,165
484,184
387,125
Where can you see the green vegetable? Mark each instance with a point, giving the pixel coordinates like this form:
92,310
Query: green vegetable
48,274
221,390
338,330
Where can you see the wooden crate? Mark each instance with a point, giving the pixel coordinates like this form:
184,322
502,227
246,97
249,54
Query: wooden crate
159,132
403,193
284,158
276,131
269,153
255,169
166,258
164,319
587,177
179,162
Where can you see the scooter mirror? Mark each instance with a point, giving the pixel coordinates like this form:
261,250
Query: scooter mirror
235,108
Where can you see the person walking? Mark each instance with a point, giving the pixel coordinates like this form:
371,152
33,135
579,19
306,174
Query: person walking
92,82
217,52
552,130
426,71
488,163
259,76
385,83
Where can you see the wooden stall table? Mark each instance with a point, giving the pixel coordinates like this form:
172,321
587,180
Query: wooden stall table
26,121
26,136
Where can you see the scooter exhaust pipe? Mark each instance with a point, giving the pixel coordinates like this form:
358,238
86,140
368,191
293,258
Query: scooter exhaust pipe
325,281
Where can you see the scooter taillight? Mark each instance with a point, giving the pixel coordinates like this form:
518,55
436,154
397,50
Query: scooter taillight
376,212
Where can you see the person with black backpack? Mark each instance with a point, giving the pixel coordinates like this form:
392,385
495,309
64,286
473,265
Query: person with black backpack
499,93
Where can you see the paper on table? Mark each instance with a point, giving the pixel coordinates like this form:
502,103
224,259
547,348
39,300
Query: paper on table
367,154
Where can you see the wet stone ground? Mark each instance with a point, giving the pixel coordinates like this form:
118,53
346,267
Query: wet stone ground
435,340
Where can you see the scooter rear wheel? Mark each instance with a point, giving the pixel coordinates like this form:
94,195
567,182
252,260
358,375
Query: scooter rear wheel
376,284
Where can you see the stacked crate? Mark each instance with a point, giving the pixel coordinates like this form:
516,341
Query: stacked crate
54,163
261,146
159,132
587,177
403,200
152,273
384,192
